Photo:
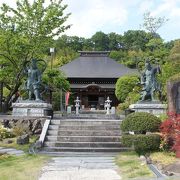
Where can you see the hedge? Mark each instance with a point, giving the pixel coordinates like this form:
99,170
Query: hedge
141,143
140,123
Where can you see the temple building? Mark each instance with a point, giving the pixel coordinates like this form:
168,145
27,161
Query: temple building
93,76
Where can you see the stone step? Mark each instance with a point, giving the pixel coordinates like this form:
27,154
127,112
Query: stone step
54,127
82,144
84,133
92,116
85,149
84,127
84,138
71,154
79,122
97,112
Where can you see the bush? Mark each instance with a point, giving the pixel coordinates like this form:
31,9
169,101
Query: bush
170,130
123,106
5,133
133,97
141,143
140,123
124,86
163,117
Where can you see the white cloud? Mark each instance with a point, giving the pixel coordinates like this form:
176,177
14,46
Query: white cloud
146,5
94,15
175,12
9,2
167,7
90,16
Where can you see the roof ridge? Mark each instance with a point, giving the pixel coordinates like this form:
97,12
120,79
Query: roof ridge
94,53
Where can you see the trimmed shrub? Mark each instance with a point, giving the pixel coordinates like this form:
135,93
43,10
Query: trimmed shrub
141,143
140,123
123,106
124,86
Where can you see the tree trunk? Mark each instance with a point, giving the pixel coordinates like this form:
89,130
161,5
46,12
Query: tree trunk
1,97
9,99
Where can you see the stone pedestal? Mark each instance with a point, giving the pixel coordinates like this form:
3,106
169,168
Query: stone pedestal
113,110
156,107
31,108
69,110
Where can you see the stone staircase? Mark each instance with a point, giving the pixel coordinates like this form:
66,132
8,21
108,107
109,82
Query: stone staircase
83,135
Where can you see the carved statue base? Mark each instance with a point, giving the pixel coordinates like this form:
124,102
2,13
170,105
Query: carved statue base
31,108
154,107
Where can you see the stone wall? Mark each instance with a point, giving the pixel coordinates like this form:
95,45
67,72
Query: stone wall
34,125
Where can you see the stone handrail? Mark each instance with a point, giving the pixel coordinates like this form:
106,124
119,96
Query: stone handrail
44,131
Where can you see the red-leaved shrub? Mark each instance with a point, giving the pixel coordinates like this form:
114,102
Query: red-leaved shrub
170,130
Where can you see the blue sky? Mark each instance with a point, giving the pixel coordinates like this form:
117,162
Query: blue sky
90,16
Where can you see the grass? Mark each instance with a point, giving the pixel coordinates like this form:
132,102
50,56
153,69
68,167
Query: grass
164,158
25,167
24,147
130,166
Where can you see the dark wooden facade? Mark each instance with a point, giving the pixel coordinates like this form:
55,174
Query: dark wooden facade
94,92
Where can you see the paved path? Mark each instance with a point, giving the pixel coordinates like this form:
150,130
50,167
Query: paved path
11,151
81,168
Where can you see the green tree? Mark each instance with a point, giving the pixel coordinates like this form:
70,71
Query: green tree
74,42
124,86
133,57
100,41
64,56
56,81
157,50
136,39
26,32
171,67
118,55
115,41
88,45
67,48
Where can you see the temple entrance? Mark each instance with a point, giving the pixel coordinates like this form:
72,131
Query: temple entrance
92,101
93,96
95,101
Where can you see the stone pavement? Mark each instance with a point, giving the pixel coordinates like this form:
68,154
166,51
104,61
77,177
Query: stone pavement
11,151
95,167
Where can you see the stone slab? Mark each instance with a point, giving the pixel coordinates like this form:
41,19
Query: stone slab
11,151
81,168
30,108
154,108
16,152
31,105
82,174
69,110
113,110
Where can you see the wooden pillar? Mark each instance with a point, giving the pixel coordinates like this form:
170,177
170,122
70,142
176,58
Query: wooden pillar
105,94
80,96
